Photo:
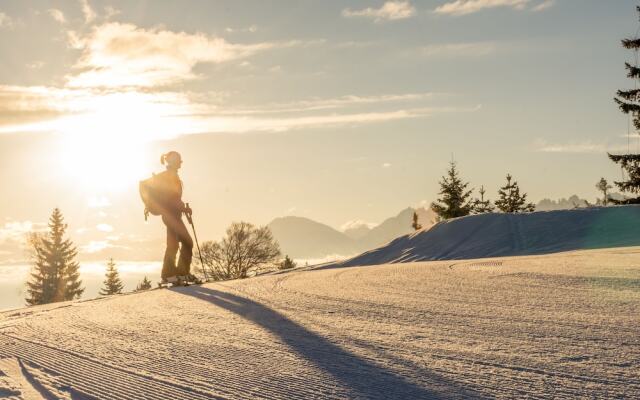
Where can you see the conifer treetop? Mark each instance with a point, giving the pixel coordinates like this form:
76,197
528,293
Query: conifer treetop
55,274
510,200
454,197
112,282
629,103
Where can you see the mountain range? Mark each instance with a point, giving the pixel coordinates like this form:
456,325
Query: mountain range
303,238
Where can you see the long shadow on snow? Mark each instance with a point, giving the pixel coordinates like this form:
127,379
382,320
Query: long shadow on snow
366,379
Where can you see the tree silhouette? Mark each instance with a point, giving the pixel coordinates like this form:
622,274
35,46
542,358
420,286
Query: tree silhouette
245,248
481,206
112,283
604,187
629,103
145,284
54,276
415,224
454,201
511,201
287,263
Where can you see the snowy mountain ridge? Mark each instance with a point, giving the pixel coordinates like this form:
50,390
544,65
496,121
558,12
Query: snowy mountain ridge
499,235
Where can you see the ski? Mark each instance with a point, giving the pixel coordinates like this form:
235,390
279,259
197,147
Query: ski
181,280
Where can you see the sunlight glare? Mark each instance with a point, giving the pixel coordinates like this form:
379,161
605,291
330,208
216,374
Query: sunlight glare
103,147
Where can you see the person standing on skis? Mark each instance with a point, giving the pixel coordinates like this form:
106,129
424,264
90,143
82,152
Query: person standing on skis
169,189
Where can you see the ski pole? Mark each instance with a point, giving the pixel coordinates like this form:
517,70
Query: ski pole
193,227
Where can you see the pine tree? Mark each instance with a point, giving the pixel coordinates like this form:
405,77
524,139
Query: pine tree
144,285
55,275
604,187
454,201
112,283
287,263
481,206
511,201
629,103
415,224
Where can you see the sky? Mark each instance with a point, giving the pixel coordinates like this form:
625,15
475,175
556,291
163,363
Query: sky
338,111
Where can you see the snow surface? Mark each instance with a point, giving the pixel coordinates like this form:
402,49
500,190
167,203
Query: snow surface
499,235
555,326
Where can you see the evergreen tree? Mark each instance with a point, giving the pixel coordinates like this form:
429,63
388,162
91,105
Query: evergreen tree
481,206
144,285
629,103
415,224
55,275
604,187
454,201
112,283
287,263
511,201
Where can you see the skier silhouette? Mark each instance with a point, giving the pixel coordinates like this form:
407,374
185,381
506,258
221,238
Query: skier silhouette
169,184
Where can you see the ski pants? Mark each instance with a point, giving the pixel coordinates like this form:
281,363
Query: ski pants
177,237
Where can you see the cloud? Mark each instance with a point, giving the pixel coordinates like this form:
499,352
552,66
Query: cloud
104,228
27,104
6,21
95,246
250,29
330,103
17,229
35,65
111,12
355,224
586,147
146,115
544,5
124,55
464,7
57,15
390,11
98,202
458,49
87,11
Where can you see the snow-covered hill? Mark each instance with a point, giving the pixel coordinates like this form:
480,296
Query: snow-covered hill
495,235
555,326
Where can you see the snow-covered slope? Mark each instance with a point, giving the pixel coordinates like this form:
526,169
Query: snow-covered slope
494,235
556,326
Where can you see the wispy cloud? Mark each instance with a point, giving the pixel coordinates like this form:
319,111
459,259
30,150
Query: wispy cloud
390,10
17,229
96,246
6,21
330,103
124,55
546,4
110,11
88,12
464,7
355,224
121,87
250,29
57,15
458,49
585,147
104,228
149,115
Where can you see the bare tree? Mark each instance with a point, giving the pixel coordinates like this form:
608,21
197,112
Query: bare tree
244,249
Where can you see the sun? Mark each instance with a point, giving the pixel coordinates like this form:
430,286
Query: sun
103,148
101,164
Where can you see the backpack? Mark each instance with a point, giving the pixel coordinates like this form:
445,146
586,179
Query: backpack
150,196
